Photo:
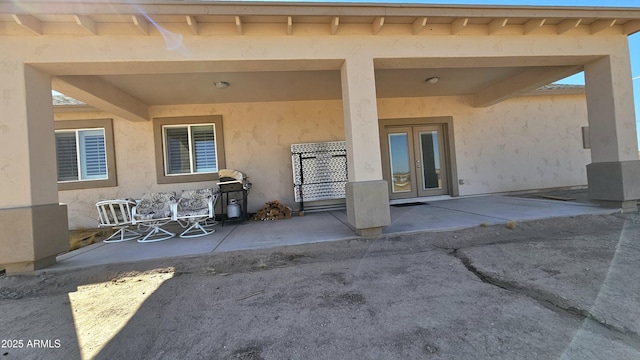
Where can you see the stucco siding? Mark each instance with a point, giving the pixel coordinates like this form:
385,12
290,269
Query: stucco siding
521,144
257,137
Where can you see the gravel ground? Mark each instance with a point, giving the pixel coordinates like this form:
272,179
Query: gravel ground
559,288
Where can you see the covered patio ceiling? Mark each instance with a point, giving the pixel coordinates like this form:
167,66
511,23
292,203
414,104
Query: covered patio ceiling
128,89
123,88
154,89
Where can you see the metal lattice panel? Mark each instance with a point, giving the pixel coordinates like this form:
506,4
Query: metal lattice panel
325,191
319,170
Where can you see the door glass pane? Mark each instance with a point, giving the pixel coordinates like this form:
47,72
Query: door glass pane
399,158
430,154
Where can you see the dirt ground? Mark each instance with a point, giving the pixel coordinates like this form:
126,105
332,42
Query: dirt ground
557,288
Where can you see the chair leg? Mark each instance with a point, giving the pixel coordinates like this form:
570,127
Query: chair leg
144,228
210,222
195,230
123,234
154,235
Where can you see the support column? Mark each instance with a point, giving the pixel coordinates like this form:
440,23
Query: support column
614,174
33,226
367,194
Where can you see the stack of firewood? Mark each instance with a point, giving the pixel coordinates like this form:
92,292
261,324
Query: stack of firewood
273,210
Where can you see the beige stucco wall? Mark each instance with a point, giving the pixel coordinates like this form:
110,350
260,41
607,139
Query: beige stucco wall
257,137
521,144
524,143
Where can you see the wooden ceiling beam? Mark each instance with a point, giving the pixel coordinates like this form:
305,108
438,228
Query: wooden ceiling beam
497,24
239,25
28,22
567,25
377,24
335,22
419,24
86,22
193,24
458,25
526,81
102,95
533,25
631,27
141,24
601,25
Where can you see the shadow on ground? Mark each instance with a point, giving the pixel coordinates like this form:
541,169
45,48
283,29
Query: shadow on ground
556,288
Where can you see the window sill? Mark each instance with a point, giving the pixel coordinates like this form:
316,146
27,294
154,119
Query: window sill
89,184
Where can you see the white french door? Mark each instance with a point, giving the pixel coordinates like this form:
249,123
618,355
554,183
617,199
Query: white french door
415,161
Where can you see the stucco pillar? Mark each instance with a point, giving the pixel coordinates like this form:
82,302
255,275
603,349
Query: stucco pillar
367,194
33,226
614,172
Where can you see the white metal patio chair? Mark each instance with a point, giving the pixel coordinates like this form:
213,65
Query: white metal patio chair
116,214
195,211
151,213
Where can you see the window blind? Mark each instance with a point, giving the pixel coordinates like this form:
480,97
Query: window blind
66,154
190,149
93,154
204,148
177,150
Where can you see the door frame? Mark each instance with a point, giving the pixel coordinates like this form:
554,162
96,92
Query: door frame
449,146
416,132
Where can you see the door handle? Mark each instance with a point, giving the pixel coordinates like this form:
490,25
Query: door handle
418,164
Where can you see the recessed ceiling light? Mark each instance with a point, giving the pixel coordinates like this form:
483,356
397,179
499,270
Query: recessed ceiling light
432,80
221,84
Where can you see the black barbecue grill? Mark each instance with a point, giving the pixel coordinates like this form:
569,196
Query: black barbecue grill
233,182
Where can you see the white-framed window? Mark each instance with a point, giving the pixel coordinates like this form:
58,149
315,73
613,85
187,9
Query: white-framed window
85,154
81,155
190,149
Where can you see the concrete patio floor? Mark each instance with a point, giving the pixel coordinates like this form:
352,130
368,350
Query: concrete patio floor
428,216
